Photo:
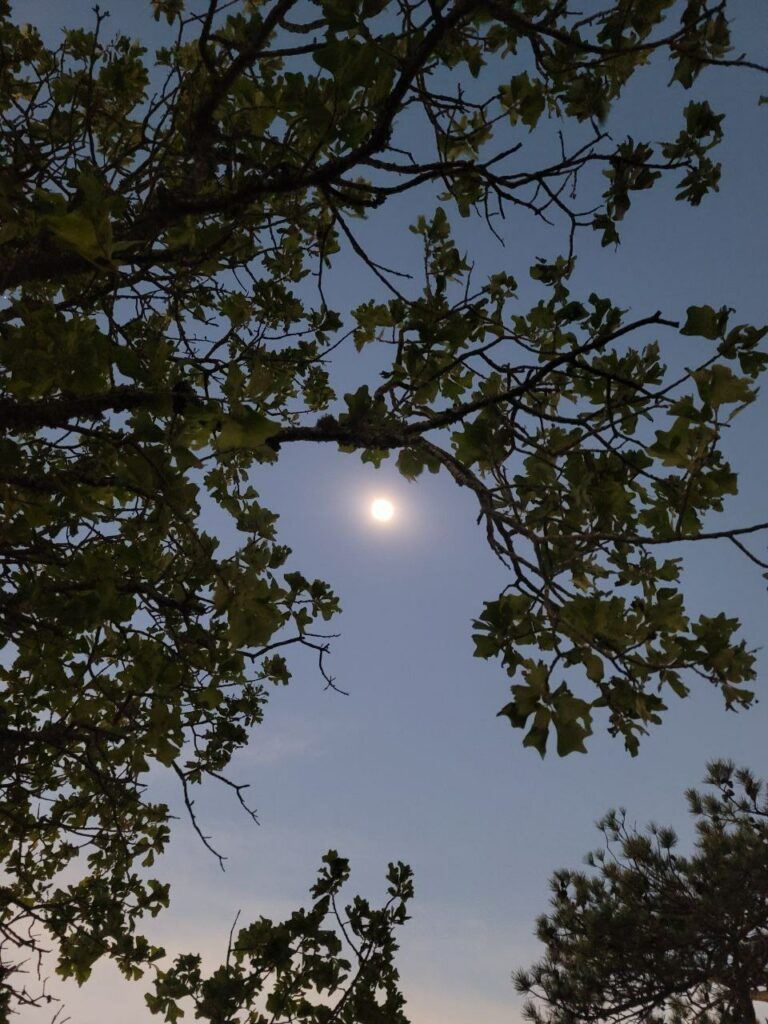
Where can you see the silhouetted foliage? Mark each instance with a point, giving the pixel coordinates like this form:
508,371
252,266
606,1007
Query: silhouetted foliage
302,969
650,935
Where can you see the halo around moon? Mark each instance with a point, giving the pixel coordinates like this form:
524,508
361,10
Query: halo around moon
382,510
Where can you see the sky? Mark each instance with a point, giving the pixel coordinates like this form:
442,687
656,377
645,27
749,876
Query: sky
414,764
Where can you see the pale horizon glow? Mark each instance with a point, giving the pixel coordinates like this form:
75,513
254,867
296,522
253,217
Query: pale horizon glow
382,510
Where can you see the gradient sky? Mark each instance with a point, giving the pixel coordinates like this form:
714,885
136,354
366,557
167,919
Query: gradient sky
414,765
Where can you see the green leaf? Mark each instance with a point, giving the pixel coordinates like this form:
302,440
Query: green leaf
538,734
570,737
243,431
704,322
718,385
252,623
594,666
410,463
78,232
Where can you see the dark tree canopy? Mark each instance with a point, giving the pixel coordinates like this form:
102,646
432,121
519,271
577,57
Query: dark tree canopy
650,935
301,969
329,964
166,220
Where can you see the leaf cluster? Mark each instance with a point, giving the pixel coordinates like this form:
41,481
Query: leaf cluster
323,965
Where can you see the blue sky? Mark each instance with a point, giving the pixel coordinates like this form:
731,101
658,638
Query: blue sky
414,765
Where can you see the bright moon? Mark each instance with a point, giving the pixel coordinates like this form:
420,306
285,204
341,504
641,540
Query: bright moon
382,510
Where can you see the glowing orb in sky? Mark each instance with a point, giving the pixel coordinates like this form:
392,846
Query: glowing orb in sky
382,510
